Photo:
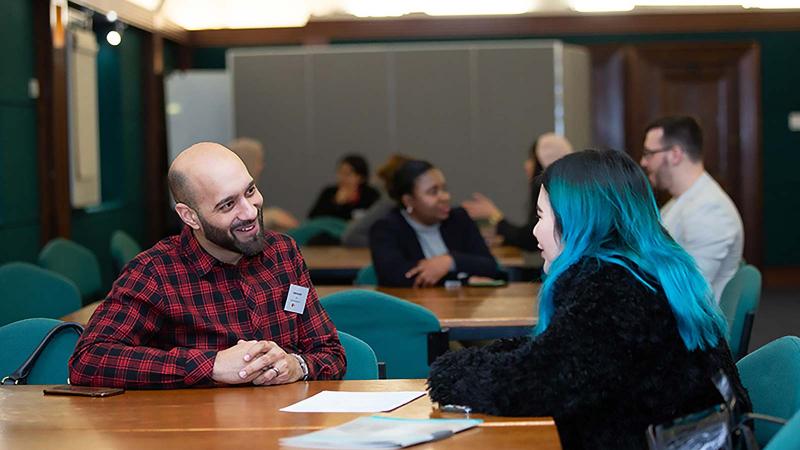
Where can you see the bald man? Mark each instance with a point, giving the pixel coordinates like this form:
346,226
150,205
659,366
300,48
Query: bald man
547,149
225,302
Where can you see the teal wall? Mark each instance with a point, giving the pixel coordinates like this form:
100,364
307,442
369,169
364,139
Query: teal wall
119,79
19,198
780,91
121,144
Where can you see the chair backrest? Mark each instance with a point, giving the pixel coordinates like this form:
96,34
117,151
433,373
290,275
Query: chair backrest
20,339
29,291
311,228
788,438
398,331
123,249
75,262
739,302
366,276
771,375
362,364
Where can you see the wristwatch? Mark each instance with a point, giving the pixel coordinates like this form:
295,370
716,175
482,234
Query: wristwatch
303,365
495,218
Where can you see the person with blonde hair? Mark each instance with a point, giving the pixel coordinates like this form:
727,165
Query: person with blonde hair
548,148
251,152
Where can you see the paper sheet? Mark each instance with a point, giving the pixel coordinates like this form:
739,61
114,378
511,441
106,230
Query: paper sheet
380,433
354,402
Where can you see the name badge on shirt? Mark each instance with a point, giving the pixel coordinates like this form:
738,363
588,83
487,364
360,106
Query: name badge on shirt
296,300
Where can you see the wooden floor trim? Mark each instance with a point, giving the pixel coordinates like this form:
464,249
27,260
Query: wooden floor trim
781,277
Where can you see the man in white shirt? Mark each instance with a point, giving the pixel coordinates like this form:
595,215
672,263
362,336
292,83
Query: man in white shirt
700,216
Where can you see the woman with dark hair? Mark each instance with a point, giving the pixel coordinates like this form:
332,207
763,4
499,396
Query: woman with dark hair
629,333
350,193
423,242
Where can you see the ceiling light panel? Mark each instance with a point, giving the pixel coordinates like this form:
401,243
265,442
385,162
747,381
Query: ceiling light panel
218,14
382,8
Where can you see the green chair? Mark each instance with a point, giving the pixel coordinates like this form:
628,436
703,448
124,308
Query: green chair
361,361
30,291
771,375
405,337
788,438
75,262
312,228
20,339
123,249
739,302
366,276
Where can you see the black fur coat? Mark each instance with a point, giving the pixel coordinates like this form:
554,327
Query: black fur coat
610,363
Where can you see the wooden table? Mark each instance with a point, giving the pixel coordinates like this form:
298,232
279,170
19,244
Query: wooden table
469,312
245,417
344,258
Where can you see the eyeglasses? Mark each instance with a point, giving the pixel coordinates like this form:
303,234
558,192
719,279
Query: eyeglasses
646,153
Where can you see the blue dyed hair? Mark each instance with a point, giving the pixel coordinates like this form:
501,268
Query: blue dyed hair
604,208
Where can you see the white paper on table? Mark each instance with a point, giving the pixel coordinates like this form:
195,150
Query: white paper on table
354,402
380,433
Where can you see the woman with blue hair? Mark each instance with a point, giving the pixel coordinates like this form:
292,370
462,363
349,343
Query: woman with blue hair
628,333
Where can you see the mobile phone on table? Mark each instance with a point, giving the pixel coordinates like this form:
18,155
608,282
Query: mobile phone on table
485,282
83,391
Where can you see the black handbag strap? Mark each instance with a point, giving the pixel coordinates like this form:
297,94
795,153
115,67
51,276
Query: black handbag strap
20,376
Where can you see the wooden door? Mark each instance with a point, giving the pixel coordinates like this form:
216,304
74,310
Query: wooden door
717,83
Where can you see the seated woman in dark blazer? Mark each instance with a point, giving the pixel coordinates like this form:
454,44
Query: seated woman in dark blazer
424,241
351,192
629,333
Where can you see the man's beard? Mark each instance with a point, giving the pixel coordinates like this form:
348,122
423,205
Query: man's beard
658,177
661,178
226,238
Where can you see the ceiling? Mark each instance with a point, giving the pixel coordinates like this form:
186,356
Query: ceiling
236,14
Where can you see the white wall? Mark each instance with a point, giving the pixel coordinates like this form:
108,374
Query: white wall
198,106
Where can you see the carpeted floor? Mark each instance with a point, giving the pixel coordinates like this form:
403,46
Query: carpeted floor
778,315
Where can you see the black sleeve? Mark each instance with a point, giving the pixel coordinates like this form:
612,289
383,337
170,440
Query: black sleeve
522,236
575,363
369,195
518,236
475,259
388,257
325,205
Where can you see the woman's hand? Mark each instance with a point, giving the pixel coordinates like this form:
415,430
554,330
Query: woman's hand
429,271
481,207
345,195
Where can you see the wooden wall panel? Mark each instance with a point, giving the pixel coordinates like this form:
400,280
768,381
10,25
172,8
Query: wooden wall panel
321,32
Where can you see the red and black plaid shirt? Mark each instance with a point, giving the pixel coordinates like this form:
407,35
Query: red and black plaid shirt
175,306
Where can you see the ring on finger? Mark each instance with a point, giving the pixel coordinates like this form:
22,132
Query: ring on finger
277,372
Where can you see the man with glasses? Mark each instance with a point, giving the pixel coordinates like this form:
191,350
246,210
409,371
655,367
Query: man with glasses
700,216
